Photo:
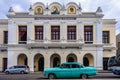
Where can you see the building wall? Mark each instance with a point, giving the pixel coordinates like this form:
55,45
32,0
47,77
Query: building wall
117,40
91,53
2,29
3,52
2,55
63,48
110,26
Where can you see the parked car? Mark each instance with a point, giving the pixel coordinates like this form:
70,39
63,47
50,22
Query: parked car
70,70
114,64
17,69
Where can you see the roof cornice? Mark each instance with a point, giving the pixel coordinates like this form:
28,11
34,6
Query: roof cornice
84,15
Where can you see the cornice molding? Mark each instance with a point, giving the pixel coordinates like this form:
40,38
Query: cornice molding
56,16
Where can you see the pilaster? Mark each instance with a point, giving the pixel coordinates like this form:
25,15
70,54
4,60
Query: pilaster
63,56
30,35
99,59
47,61
64,31
80,34
46,31
98,27
11,61
31,63
12,28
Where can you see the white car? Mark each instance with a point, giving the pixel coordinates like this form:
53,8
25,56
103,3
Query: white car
17,69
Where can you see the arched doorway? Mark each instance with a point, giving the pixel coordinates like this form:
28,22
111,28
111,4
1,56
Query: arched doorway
54,60
88,60
71,58
22,59
85,61
38,62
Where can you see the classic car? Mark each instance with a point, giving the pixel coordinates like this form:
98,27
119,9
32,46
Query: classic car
70,70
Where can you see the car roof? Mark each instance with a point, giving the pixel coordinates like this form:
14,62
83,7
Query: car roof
72,63
19,65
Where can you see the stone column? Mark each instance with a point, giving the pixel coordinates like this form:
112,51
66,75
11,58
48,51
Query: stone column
12,31
46,31
30,31
80,34
63,31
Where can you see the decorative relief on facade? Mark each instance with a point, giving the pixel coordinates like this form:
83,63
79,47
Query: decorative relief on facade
55,10
38,10
55,18
71,10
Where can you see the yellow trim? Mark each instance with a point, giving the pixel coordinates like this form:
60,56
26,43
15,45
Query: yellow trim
38,10
71,10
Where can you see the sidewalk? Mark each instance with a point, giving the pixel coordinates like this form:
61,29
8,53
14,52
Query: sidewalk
104,71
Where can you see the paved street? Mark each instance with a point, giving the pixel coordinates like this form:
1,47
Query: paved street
39,76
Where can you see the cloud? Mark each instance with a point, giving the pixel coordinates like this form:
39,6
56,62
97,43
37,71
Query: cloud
1,1
60,1
17,8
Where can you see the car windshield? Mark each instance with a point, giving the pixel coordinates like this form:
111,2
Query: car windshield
82,65
11,67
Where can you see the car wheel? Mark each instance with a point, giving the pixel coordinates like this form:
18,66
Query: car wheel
7,72
84,76
51,76
116,72
22,72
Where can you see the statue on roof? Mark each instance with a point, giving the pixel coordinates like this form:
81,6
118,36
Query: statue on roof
11,9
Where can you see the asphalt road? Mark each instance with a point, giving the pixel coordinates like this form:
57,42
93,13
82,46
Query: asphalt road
40,76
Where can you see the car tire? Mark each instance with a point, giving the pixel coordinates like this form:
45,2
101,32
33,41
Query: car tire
7,72
84,76
22,72
116,72
51,76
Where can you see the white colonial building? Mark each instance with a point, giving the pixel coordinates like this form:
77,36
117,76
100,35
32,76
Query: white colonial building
49,35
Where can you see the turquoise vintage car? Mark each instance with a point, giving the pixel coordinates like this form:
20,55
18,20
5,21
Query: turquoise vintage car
70,70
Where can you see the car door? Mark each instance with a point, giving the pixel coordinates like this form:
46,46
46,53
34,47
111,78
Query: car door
12,69
76,70
15,69
65,71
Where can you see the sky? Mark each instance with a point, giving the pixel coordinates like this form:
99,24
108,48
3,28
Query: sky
110,8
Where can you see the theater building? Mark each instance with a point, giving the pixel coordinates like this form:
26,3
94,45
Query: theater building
48,35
